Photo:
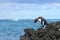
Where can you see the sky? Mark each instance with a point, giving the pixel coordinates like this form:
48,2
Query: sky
29,9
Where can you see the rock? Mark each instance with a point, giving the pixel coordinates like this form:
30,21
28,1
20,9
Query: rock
59,38
29,32
51,32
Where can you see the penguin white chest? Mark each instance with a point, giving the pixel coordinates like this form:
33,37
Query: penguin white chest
43,22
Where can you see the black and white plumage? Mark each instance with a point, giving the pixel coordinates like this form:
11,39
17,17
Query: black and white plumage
42,20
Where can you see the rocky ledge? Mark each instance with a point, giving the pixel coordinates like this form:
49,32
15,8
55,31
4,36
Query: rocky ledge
51,32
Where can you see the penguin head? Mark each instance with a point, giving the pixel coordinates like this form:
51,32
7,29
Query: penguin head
37,19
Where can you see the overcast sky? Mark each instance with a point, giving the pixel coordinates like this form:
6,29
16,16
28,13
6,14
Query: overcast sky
29,9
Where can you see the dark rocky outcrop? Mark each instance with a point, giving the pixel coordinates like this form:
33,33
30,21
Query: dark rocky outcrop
51,32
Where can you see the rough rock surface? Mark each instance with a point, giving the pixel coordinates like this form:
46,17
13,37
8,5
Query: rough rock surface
51,32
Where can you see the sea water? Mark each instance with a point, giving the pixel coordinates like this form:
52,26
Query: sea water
12,30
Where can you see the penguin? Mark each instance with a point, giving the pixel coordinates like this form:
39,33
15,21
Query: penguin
42,20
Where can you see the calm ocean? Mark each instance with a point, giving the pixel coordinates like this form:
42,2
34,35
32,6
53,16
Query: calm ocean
12,30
